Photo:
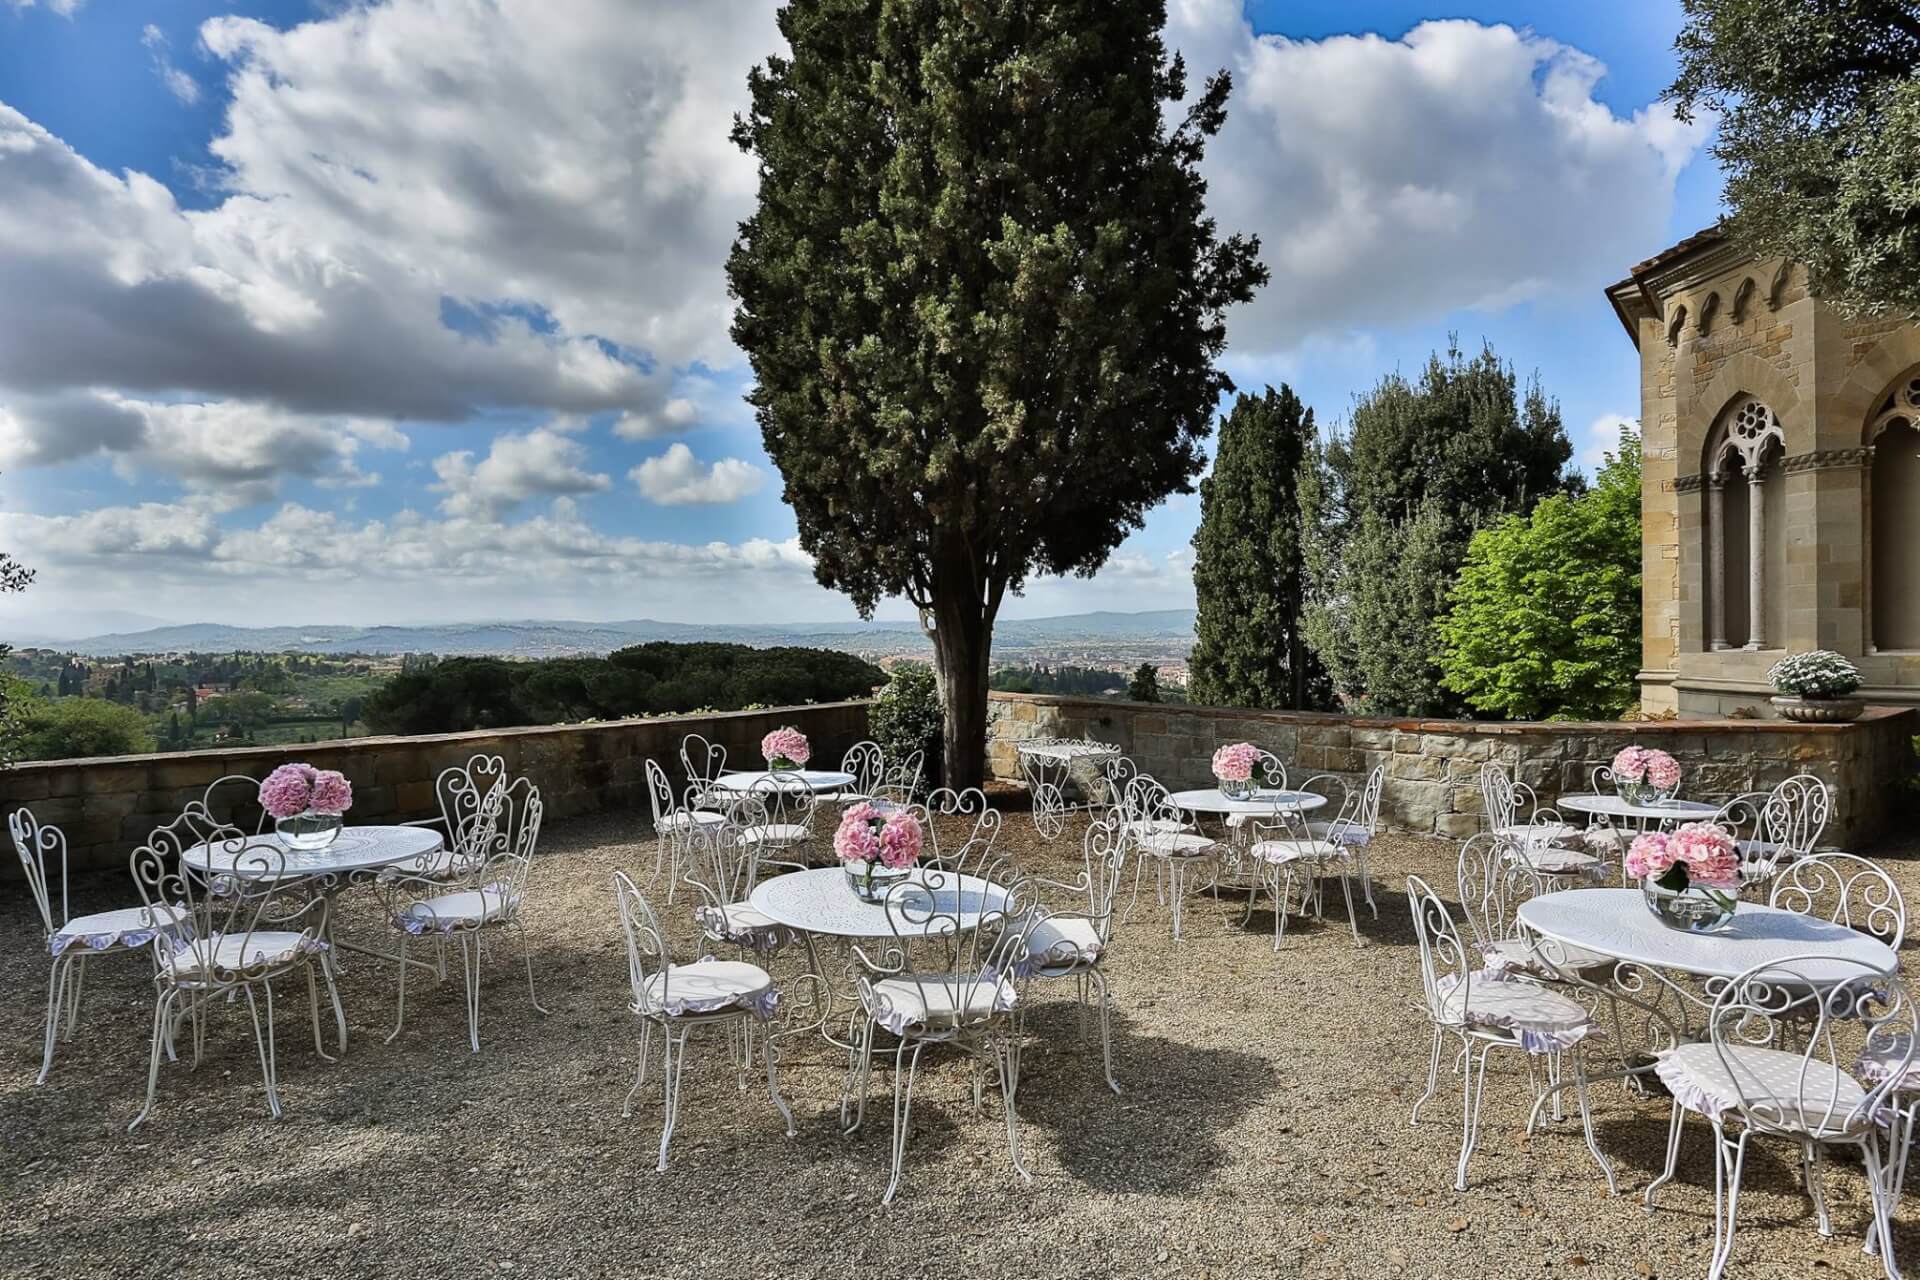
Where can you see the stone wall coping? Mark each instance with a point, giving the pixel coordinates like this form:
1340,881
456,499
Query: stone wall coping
1460,728
375,741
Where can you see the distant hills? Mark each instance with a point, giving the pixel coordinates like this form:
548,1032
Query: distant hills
539,639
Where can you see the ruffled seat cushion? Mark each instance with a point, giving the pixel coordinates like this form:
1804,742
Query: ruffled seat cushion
1775,1085
690,820
938,1001
1142,827
1176,844
1551,860
468,909
743,926
1886,1058
1060,945
1538,833
776,835
1541,1020
1283,851
711,986
233,952
1350,835
1515,954
126,927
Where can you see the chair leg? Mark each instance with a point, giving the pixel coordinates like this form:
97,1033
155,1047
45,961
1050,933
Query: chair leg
1885,1191
1353,921
327,966
1433,1079
1586,1117
1673,1155
1815,1178
526,953
73,994
1253,891
1729,1161
676,1063
56,993
1893,1166
263,1040
1099,982
1139,869
470,959
639,1076
773,1086
400,1005
1007,1058
1471,1092
161,1007
902,1109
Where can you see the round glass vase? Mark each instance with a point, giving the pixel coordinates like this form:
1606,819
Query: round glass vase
872,881
1241,790
309,831
1694,909
780,764
1643,793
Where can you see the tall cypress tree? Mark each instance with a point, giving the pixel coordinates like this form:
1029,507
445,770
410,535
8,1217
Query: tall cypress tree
1248,572
982,297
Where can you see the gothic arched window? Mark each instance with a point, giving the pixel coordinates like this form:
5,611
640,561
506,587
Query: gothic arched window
1745,555
1893,532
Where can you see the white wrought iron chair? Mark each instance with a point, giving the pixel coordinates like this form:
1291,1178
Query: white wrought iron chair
245,933
1482,1013
676,1000
1513,810
1073,942
773,823
957,807
1269,774
703,762
723,869
74,940
868,765
1283,846
900,782
486,900
1792,818
1118,776
1806,1096
1156,833
933,983
675,826
233,801
463,792
1495,882
1358,833
1845,889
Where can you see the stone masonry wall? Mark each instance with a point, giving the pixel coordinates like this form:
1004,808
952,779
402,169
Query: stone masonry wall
1432,785
107,807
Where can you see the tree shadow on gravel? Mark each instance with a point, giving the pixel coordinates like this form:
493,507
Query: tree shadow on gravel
1162,1135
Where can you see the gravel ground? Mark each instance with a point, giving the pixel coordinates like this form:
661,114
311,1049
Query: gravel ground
1263,1130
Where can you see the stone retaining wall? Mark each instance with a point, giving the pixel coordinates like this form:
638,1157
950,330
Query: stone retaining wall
1433,765
108,806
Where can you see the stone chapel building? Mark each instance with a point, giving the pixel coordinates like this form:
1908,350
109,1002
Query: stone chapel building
1781,498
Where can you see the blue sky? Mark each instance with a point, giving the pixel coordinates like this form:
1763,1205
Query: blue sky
415,310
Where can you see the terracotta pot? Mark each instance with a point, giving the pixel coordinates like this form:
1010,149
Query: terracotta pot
1817,710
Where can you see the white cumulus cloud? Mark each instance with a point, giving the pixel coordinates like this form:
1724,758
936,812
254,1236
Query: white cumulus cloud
538,463
677,478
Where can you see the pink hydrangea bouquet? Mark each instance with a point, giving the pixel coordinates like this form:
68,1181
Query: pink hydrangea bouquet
878,848
786,749
1698,856
1235,761
1638,771
294,789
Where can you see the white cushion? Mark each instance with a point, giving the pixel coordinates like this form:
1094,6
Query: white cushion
1538,833
1551,860
229,952
1514,953
1356,836
711,986
1886,1057
1175,844
742,925
1775,1085
776,834
690,819
1062,944
938,1000
105,930
1281,851
1543,1021
467,909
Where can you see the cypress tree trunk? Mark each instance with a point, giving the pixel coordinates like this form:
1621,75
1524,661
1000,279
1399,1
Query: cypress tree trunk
962,637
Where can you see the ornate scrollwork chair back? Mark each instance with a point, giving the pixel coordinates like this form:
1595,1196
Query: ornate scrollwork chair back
702,761
37,844
956,808
1847,890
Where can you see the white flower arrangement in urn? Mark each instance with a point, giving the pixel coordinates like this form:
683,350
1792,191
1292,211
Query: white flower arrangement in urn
1813,687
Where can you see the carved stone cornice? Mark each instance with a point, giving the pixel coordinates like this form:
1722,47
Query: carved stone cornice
1690,484
1828,460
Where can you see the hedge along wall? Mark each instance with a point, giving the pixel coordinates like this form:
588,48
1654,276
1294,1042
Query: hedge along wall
1432,783
108,806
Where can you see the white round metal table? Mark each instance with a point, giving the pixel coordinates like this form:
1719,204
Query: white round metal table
357,854
1261,803
821,901
1616,808
814,780
1616,923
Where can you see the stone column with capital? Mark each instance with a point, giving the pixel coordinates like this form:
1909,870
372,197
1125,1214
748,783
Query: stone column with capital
1756,556
1715,566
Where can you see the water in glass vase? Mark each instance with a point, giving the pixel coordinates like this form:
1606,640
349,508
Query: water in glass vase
307,832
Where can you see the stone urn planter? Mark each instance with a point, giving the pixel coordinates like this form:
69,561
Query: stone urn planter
1817,710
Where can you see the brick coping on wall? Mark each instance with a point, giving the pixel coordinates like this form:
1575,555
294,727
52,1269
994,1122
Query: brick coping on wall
1459,728
374,741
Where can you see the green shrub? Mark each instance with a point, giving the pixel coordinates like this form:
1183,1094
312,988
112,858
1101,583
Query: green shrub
73,728
906,717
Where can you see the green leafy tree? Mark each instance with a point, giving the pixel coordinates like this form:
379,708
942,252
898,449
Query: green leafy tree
1819,135
906,717
982,298
1545,617
1393,506
1249,575
76,728
1145,685
14,576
